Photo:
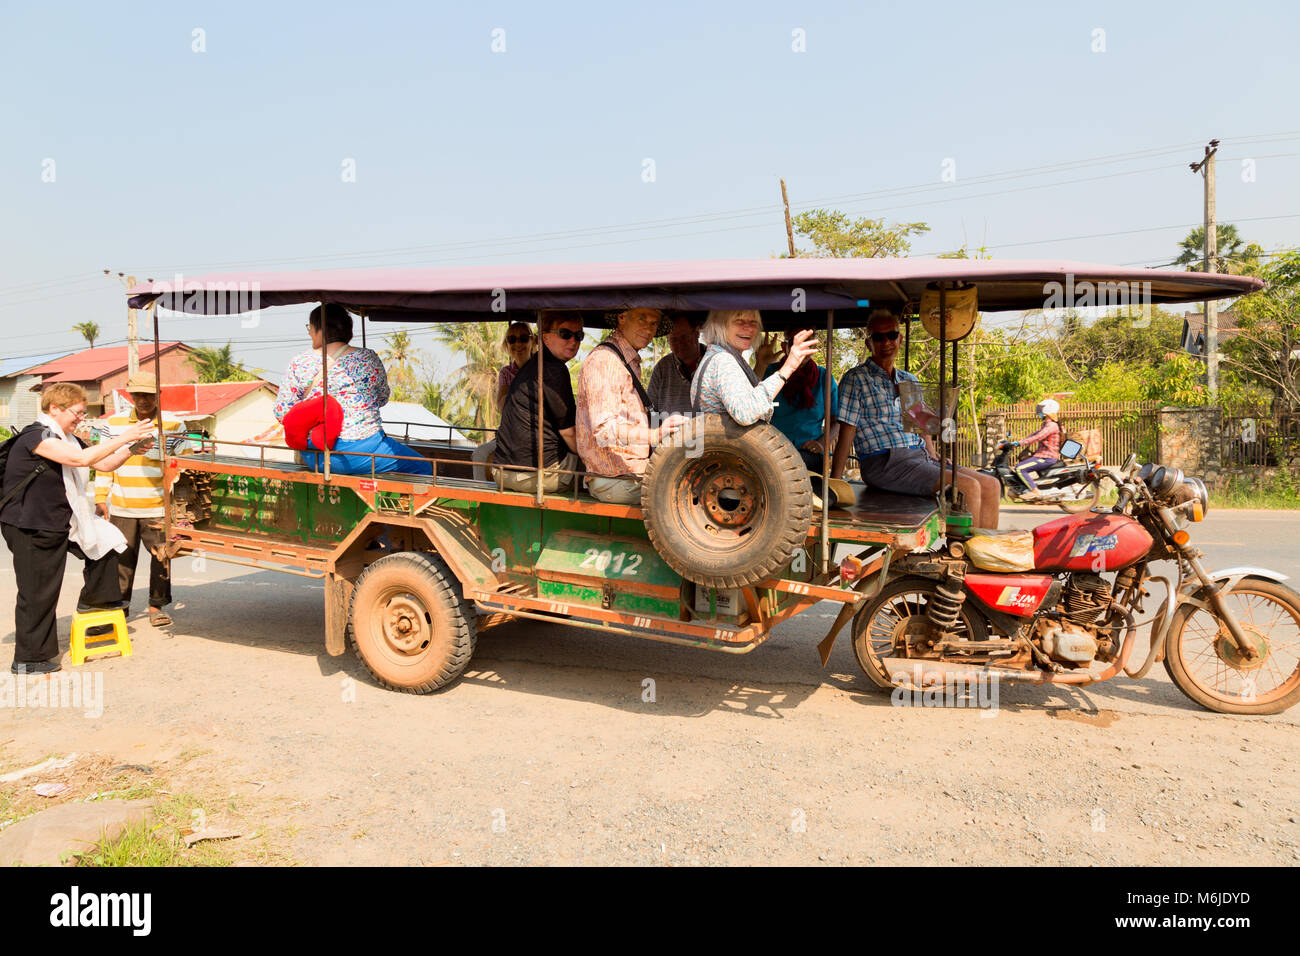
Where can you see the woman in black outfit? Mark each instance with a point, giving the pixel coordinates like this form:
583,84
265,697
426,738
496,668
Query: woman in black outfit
52,515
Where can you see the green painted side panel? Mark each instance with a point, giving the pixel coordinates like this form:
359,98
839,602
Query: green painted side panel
312,514
592,596
607,558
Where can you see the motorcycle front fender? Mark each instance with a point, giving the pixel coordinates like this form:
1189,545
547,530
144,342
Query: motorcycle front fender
1193,593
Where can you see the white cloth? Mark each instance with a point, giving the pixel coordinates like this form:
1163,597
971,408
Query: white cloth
95,536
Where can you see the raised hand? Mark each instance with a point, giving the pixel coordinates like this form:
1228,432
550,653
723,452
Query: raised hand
805,344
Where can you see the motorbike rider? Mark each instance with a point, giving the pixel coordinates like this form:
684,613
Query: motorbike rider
1047,453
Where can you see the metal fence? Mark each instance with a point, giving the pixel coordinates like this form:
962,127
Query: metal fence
1260,439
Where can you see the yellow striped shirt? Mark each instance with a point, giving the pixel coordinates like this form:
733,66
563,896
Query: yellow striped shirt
134,490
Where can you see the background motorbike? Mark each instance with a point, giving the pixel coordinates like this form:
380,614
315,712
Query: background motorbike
1073,484
1059,604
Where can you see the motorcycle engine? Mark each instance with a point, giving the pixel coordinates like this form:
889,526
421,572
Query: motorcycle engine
1086,597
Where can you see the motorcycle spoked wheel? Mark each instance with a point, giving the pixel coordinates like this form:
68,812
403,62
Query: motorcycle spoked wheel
885,616
1204,663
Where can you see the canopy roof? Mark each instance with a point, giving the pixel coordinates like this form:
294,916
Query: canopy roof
778,286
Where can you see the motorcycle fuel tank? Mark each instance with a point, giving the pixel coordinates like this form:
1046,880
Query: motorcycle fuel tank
1089,542
1018,594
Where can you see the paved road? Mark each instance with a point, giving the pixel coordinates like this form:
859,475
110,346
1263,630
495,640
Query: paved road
553,749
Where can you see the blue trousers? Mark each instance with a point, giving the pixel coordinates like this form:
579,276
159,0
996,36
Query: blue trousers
1031,466
341,463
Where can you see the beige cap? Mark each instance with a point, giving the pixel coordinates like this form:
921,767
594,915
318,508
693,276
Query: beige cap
142,382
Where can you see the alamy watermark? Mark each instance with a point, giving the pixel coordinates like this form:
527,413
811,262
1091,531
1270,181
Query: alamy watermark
1107,295
82,691
919,688
208,297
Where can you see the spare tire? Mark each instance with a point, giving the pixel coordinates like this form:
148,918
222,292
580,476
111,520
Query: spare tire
725,504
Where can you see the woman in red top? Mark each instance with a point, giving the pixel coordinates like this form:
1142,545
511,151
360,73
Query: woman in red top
1048,452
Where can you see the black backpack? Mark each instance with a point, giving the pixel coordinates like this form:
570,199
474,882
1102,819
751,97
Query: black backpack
5,449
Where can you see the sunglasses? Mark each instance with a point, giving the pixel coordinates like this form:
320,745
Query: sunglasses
567,334
518,339
884,336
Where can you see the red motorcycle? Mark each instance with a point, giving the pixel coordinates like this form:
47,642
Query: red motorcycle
1060,605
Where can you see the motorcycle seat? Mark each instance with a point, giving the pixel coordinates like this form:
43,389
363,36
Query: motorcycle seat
1001,550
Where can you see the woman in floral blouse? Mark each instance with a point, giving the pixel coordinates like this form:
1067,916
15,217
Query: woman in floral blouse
724,382
357,381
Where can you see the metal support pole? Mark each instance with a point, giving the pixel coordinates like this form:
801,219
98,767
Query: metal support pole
956,404
541,407
826,442
943,380
325,386
907,343
162,441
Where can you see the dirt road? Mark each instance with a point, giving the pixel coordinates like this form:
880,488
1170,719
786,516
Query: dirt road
564,746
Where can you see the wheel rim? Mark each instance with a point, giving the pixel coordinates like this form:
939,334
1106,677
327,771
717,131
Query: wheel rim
401,624
721,501
1211,659
892,619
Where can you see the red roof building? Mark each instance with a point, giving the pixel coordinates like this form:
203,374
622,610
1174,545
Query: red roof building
100,371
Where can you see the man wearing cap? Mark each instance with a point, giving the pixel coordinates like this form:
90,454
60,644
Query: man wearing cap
131,497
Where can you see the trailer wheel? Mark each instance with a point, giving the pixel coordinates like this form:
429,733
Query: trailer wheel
410,624
726,505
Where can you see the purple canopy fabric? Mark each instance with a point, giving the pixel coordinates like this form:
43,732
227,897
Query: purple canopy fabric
775,285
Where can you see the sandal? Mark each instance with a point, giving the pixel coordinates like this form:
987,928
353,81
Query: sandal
160,619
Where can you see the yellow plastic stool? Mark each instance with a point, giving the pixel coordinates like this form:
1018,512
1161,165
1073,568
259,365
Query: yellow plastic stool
100,644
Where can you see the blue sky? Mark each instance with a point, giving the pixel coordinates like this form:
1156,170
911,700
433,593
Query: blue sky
165,158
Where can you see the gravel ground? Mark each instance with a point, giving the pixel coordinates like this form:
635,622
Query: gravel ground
554,749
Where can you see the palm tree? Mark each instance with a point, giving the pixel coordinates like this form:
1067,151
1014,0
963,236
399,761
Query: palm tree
214,364
398,360
479,344
89,331
1228,246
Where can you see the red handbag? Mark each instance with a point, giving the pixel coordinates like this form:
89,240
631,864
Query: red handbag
314,419
321,421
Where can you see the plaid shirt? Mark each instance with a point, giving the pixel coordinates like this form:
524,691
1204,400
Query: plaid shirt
1050,436
869,402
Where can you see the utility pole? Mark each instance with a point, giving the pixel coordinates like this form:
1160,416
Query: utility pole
789,229
1206,168
132,330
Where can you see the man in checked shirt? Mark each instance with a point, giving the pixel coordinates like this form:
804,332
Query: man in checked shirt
871,423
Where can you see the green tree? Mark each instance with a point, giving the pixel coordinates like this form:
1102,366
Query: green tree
1265,348
833,234
1126,335
478,344
1233,253
218,364
399,362
88,330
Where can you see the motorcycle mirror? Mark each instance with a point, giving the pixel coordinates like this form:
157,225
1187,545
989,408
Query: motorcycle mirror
1129,464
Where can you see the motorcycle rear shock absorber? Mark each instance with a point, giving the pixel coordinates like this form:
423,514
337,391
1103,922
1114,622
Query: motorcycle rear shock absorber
944,607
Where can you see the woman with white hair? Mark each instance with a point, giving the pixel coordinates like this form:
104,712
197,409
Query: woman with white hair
724,382
1048,452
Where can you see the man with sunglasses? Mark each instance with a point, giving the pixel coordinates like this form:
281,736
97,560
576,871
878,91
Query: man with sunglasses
871,423
561,334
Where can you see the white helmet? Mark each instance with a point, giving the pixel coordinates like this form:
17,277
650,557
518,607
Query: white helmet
1049,406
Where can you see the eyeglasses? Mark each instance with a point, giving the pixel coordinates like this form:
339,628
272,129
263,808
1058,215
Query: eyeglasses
567,334
884,336
518,339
